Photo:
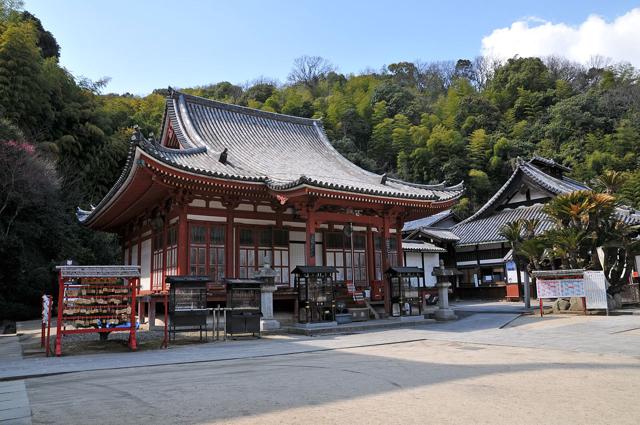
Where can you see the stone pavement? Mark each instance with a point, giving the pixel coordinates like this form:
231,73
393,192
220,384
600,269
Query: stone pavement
618,335
14,404
10,347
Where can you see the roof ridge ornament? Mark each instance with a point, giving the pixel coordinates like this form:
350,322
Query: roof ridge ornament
223,156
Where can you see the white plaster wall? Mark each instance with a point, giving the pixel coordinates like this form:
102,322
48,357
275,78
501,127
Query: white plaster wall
198,203
518,197
414,259
430,261
206,218
244,207
254,221
536,194
295,235
145,265
296,257
134,255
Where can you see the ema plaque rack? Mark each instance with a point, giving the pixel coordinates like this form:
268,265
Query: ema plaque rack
97,299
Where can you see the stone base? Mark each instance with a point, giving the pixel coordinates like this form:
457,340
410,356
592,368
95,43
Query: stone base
445,314
412,318
317,325
269,324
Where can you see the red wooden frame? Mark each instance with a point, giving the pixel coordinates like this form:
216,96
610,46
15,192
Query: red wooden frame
65,282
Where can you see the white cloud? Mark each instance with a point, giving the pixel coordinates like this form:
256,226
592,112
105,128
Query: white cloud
618,40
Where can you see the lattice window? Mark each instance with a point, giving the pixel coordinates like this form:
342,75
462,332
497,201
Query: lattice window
339,255
216,252
157,257
256,245
197,250
171,268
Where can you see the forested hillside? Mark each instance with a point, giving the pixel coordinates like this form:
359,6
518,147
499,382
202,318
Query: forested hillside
63,142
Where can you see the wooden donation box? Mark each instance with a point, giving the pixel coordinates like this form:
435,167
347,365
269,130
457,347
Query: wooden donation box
405,287
316,290
244,304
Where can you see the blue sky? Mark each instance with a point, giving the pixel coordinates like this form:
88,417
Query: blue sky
144,45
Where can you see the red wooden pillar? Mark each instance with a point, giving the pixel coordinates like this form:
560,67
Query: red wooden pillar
183,242
399,225
165,227
229,249
310,240
385,263
371,268
60,310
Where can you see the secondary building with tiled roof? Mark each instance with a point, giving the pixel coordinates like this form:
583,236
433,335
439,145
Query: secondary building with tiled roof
224,186
482,254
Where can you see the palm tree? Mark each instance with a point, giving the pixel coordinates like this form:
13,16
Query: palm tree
610,181
589,214
513,232
566,244
534,250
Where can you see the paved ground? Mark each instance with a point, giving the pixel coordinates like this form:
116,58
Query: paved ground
486,368
413,382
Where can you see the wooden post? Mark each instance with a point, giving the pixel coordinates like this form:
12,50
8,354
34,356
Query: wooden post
399,225
371,268
385,263
183,243
133,344
310,240
229,249
60,309
165,227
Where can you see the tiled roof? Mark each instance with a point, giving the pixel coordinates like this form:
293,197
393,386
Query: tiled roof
421,246
535,160
549,183
486,230
440,234
483,226
426,222
279,150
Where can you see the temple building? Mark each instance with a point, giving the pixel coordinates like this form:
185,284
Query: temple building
482,254
225,188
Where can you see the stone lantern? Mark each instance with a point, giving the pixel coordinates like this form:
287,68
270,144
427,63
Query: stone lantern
444,277
267,275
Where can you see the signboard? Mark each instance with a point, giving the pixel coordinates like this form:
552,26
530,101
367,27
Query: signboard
512,274
560,288
596,289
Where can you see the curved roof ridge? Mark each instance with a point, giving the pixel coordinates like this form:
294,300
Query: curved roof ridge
494,198
184,120
548,161
547,181
438,186
175,94
325,140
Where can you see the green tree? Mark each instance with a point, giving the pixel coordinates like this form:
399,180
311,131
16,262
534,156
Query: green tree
22,91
